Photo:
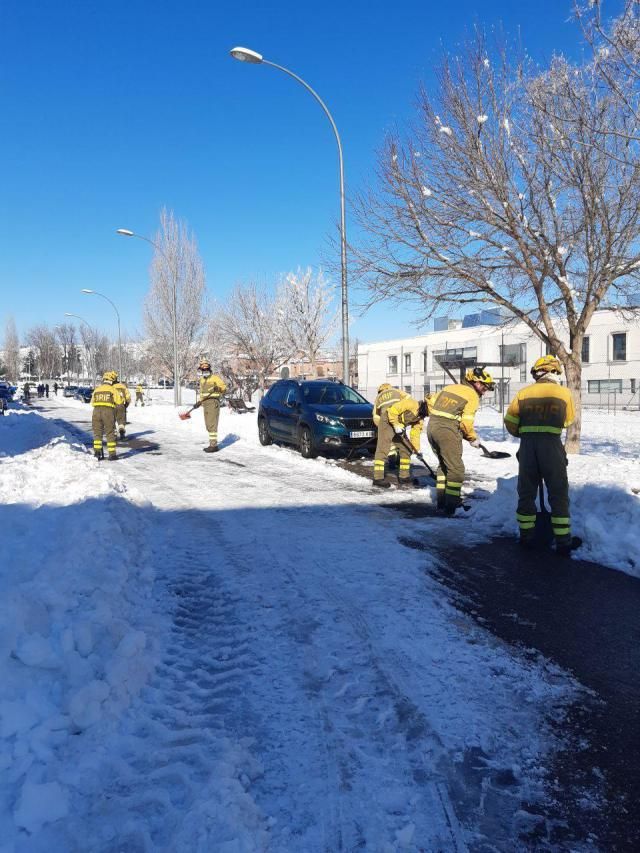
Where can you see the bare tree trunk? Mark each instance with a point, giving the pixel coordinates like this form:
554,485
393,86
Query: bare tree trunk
573,372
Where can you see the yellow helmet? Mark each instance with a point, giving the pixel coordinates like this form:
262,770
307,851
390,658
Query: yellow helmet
546,364
386,386
479,374
109,376
204,365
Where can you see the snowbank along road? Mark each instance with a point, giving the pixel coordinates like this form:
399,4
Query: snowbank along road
236,652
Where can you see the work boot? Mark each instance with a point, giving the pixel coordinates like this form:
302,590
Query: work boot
405,483
527,543
212,448
381,484
112,457
565,549
99,454
122,433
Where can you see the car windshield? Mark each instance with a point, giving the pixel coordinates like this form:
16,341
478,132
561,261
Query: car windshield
330,393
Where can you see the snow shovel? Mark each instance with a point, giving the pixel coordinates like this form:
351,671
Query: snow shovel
543,537
185,416
412,449
494,454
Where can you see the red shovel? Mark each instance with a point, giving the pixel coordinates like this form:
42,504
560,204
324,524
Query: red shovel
185,416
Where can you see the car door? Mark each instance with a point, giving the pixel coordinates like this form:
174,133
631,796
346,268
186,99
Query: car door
291,412
273,405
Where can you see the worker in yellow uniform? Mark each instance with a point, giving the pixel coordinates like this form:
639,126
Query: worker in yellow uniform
121,409
403,414
452,414
104,400
386,450
139,394
538,414
212,387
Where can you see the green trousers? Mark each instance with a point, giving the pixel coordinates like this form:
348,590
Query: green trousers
445,439
385,444
103,422
543,460
211,409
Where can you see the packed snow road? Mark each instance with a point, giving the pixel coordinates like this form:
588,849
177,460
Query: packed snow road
296,680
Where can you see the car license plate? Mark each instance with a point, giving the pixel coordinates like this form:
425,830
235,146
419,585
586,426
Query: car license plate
363,433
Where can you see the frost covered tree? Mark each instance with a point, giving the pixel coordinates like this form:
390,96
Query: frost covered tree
176,265
489,201
11,348
310,318
67,337
42,341
253,327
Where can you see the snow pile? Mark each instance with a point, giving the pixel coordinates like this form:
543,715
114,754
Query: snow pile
72,651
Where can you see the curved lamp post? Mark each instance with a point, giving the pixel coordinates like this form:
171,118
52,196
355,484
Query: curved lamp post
251,57
95,293
126,232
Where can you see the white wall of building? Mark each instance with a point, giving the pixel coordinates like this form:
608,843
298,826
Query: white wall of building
611,368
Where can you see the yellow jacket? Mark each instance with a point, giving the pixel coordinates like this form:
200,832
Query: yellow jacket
211,386
124,391
139,389
404,412
541,407
107,395
384,400
457,403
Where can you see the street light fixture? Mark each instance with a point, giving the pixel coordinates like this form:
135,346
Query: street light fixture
96,293
252,57
126,232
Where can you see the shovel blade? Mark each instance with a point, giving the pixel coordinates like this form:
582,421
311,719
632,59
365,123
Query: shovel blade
184,416
497,454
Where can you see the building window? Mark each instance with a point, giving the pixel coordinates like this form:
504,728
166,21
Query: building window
604,386
426,389
633,386
407,362
424,361
393,365
584,356
407,389
619,346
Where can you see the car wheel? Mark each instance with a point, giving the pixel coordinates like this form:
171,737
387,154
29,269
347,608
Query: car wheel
264,436
307,448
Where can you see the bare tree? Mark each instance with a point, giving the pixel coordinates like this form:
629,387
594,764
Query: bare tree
488,201
310,320
176,267
43,341
11,346
253,328
66,334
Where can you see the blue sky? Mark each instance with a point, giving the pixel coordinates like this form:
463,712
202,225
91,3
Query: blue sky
112,110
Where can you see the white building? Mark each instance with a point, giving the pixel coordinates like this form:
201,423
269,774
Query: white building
610,358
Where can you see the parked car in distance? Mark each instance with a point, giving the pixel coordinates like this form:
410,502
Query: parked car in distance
69,390
83,393
315,415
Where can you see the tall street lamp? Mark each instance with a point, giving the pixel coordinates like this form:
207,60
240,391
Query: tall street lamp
95,293
91,366
126,232
243,54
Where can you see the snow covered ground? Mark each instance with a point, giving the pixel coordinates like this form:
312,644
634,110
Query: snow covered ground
236,653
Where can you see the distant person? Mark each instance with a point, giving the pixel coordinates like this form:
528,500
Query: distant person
139,394
46,390
26,392
55,388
